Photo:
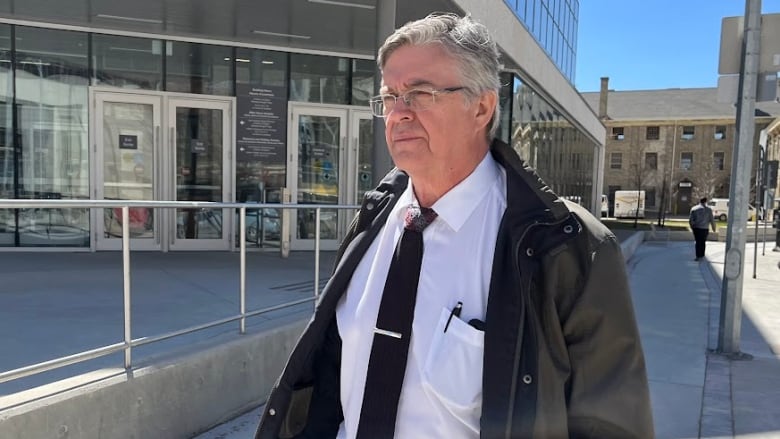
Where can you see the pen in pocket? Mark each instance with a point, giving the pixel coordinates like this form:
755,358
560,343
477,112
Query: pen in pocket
455,312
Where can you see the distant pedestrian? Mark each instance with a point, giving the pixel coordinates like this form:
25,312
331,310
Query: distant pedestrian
701,220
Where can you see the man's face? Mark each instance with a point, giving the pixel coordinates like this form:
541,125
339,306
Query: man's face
448,136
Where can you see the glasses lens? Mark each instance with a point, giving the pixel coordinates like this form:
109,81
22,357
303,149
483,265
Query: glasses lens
419,99
377,107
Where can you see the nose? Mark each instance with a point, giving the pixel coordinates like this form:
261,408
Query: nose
400,112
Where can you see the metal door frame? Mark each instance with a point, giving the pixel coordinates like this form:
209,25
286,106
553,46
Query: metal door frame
164,177
348,163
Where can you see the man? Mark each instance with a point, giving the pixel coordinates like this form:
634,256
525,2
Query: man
701,219
521,322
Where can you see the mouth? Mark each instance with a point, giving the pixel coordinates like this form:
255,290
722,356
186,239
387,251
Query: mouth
404,138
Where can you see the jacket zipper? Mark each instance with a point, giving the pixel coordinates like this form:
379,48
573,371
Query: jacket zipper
525,287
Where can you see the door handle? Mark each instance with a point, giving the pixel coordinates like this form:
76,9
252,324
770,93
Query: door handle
156,183
169,150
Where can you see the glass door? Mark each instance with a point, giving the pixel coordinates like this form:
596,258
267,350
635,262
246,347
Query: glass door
200,142
361,129
315,174
330,163
127,160
162,146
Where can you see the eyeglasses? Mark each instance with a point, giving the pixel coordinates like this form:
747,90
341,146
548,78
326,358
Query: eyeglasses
415,99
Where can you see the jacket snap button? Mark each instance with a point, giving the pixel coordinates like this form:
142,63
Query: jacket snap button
527,379
529,252
272,412
568,228
370,206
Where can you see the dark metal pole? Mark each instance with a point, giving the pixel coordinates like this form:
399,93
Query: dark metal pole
758,203
733,269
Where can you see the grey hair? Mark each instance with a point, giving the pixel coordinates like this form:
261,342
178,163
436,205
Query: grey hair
466,41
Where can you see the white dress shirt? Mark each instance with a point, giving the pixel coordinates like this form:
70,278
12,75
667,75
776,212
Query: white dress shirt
442,392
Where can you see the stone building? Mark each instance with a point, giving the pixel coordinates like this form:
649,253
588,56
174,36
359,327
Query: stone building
676,144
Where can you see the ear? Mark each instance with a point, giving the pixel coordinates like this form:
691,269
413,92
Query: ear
485,108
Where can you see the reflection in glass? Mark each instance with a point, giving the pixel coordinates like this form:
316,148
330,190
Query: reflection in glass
559,152
7,216
52,76
554,25
315,78
199,171
128,166
365,147
127,62
318,173
199,68
362,81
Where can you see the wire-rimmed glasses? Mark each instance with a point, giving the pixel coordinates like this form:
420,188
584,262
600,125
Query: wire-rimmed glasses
417,99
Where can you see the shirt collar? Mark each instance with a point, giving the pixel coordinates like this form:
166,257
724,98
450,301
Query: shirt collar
457,205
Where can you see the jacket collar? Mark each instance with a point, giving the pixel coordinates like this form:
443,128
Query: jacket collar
527,195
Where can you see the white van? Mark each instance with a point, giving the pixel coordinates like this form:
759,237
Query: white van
629,204
720,209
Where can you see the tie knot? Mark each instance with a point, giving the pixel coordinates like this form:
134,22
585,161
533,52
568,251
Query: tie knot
418,218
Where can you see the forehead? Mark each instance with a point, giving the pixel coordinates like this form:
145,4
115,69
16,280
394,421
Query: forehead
428,65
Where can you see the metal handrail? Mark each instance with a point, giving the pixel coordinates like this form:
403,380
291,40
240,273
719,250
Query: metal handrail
128,343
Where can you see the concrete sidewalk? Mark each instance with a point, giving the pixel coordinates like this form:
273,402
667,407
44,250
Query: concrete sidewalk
57,304
695,393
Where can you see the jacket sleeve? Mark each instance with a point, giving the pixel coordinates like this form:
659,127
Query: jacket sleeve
608,394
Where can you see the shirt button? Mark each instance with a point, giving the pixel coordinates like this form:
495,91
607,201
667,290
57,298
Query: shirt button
272,412
527,379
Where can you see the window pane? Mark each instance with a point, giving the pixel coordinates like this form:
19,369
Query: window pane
718,159
52,77
315,78
686,160
651,160
199,68
127,62
616,161
362,81
653,133
7,216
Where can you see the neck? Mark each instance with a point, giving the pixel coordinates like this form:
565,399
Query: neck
431,186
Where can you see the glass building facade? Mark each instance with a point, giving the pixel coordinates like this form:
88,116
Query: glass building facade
553,23
45,77
88,114
546,140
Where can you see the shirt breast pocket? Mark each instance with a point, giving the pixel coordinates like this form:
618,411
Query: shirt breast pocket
453,369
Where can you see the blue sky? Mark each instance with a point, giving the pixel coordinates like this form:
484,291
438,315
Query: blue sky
653,44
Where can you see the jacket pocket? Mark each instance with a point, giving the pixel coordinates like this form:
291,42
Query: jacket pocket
298,412
453,369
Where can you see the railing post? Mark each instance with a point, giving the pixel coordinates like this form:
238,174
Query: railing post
126,279
316,256
284,237
242,279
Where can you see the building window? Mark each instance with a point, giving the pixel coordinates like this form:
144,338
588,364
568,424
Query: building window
650,197
720,132
688,132
616,160
686,161
653,133
718,159
651,160
617,133
320,79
